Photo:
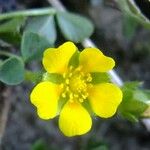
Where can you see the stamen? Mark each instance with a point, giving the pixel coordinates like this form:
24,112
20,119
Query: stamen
84,96
67,81
71,96
70,75
79,68
75,85
67,88
70,68
64,75
89,78
64,95
76,95
81,100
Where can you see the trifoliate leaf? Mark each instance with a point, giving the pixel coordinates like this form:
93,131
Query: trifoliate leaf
74,27
44,26
33,46
39,145
134,102
10,30
132,85
130,8
12,25
12,71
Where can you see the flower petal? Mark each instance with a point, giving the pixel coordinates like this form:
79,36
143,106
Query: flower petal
93,60
104,99
74,119
56,60
45,97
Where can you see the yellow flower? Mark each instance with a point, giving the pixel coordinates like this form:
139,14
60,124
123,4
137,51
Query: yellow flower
68,98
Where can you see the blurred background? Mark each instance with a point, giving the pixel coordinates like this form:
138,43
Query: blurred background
131,50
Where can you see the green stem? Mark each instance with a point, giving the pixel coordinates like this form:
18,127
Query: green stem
7,54
30,12
1,62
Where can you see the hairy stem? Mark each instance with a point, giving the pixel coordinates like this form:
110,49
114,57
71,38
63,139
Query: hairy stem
4,53
27,13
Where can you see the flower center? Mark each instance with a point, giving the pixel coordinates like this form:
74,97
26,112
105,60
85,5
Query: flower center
75,85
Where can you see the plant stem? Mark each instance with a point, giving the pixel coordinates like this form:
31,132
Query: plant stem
7,54
1,62
30,12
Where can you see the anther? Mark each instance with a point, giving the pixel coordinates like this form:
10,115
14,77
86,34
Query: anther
81,100
64,95
79,68
70,68
64,75
76,95
70,74
89,78
71,96
67,81
67,88
84,96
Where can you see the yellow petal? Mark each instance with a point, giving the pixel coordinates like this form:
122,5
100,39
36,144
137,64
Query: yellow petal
56,60
74,120
104,99
93,60
45,97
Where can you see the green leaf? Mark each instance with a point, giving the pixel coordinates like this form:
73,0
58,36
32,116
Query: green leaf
33,46
130,117
44,26
130,9
98,77
1,62
12,71
74,27
94,143
39,145
135,107
132,85
147,92
53,77
9,37
10,30
134,102
12,25
139,94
